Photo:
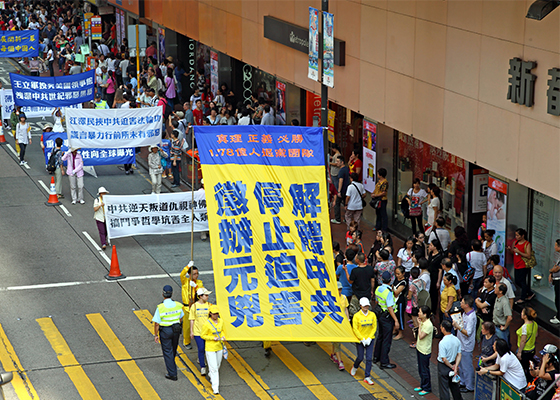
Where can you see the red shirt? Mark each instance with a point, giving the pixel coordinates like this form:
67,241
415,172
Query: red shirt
198,116
356,164
518,262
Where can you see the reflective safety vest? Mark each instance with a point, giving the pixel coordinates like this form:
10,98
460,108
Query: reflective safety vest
170,316
381,296
101,104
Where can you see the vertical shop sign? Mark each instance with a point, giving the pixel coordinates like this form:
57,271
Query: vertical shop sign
330,125
369,155
479,190
328,49
161,39
87,23
192,64
313,71
545,230
96,28
313,108
496,211
118,23
214,72
281,101
123,26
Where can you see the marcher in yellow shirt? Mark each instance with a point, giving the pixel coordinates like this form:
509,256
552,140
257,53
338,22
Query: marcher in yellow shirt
336,355
213,334
364,324
189,285
198,315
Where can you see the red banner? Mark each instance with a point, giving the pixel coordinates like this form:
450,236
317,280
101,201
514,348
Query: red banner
313,108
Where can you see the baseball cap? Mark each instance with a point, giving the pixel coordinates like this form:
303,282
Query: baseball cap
214,309
364,301
167,289
202,291
339,285
549,349
386,276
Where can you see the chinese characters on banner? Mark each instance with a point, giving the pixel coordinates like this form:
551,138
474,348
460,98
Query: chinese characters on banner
214,84
313,71
114,128
328,49
7,102
96,28
270,233
19,43
496,213
91,157
369,155
59,91
155,214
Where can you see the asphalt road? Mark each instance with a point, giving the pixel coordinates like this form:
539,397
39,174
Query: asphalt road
70,334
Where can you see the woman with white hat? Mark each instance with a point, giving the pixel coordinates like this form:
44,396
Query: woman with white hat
154,164
213,335
198,314
99,216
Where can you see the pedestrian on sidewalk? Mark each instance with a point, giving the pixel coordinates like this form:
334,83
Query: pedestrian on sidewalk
526,339
502,313
507,366
189,287
341,182
387,322
23,137
364,325
354,201
198,314
154,164
449,357
75,172
99,216
466,333
522,250
424,350
215,343
167,322
554,279
380,193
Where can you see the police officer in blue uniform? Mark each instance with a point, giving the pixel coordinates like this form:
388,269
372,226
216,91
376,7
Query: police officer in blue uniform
168,320
387,321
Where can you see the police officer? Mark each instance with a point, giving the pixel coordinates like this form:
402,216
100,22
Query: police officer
387,321
167,322
100,104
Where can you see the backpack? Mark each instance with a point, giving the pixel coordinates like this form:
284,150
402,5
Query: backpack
51,165
167,110
423,297
405,207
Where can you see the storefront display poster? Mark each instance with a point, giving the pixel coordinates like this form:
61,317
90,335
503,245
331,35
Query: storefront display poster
313,71
496,213
281,101
330,125
479,190
368,170
161,39
214,84
328,49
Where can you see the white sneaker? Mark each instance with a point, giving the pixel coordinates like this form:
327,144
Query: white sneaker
25,162
21,163
369,381
74,202
216,392
353,371
334,221
555,320
82,202
202,371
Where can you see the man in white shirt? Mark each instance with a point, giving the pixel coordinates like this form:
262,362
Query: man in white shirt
441,234
245,118
498,272
466,333
354,195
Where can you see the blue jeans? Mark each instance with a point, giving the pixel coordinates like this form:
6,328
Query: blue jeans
476,285
424,371
503,335
200,345
176,173
382,221
466,369
360,349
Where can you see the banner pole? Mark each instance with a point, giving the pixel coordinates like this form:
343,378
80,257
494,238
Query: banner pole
192,191
137,59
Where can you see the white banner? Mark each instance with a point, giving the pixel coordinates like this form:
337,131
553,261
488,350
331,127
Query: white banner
7,101
114,128
155,214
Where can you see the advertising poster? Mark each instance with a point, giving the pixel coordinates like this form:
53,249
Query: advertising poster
268,218
369,155
123,25
328,49
479,190
96,28
313,108
118,22
214,83
281,102
313,71
330,125
496,213
161,39
546,229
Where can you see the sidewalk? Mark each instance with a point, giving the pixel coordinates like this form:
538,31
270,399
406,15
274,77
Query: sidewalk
405,357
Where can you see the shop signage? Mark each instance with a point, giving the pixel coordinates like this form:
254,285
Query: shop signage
297,38
496,211
191,64
313,108
330,125
96,28
369,155
479,190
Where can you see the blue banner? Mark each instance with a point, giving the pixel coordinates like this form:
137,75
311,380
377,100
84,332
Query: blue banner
91,156
19,43
260,145
58,91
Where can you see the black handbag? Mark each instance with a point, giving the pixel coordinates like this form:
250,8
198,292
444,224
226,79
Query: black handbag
375,203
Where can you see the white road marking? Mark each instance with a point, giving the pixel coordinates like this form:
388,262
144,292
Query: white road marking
63,208
66,284
4,80
49,192
99,249
17,155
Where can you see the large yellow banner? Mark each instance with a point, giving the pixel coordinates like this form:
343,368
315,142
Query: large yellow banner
270,236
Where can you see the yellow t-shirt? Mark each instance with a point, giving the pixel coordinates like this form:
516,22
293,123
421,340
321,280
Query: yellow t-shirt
448,291
209,332
188,292
364,326
424,346
199,314
343,303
